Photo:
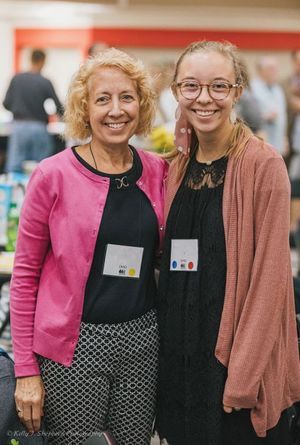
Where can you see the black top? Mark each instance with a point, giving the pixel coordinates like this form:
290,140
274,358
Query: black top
128,219
26,95
190,306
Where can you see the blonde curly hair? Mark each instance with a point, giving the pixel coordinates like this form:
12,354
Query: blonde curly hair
76,109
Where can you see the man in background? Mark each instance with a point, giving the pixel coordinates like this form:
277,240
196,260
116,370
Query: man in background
25,98
271,99
96,48
162,74
248,108
292,90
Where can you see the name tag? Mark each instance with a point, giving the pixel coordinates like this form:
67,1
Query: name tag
123,261
184,255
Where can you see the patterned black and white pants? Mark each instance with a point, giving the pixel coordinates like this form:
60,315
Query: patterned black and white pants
111,384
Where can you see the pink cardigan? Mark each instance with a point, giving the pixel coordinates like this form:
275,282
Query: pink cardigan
58,230
257,338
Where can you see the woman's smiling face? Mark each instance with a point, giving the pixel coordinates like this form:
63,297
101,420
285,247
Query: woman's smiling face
113,107
207,115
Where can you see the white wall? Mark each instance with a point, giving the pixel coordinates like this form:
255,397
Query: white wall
6,56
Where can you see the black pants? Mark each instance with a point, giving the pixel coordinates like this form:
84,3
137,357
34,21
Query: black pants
238,430
111,384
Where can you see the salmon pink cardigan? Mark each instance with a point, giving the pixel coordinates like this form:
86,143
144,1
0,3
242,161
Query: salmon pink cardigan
257,339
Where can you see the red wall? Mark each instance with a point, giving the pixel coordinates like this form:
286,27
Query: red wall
149,38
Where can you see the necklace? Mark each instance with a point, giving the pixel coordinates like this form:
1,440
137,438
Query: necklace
208,161
96,167
120,182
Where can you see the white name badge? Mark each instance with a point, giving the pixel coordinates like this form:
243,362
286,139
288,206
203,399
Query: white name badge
184,255
123,261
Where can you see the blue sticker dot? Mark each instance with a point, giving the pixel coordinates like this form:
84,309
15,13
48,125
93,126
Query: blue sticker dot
174,264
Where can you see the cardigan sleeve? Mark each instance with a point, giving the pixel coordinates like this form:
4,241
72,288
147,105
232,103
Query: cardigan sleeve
32,245
259,325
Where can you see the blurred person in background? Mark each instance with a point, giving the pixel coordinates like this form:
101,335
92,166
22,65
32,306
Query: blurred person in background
292,89
272,103
248,109
229,360
83,291
161,137
25,98
166,104
96,48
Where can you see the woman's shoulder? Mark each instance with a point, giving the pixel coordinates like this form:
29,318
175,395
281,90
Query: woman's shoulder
259,151
55,163
154,158
153,162
266,164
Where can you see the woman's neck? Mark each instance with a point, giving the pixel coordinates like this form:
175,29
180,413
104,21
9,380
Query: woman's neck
107,159
213,146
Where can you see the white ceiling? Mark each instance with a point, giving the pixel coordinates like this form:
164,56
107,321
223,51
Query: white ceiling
286,4
166,14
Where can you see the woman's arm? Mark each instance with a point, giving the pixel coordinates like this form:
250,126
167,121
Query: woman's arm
32,245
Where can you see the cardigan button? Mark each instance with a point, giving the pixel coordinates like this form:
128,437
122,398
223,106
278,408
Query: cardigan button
154,205
161,228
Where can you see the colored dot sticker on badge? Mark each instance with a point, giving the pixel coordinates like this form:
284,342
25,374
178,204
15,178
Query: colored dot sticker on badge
191,265
131,272
174,264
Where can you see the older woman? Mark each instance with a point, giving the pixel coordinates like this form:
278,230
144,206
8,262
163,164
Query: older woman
83,291
229,363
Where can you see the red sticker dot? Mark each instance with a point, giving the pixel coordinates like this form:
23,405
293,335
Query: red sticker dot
191,265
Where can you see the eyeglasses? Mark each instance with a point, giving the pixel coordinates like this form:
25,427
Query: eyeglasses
191,89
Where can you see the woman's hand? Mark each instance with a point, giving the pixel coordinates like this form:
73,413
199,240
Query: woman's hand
29,398
229,409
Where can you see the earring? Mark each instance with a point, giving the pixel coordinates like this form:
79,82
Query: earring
183,134
87,125
177,113
232,116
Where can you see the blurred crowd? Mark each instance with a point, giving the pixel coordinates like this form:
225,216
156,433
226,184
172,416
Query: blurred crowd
269,105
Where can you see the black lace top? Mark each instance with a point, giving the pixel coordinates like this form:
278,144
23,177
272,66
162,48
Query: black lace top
190,306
